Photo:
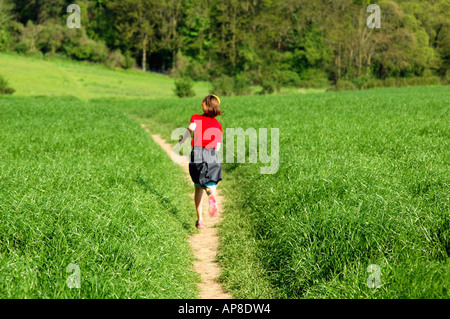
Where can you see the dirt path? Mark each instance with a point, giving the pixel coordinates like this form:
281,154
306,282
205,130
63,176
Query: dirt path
205,243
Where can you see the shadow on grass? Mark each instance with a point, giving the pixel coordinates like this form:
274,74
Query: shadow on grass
164,201
230,167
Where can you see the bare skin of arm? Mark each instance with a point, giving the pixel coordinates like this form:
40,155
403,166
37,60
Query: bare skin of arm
191,128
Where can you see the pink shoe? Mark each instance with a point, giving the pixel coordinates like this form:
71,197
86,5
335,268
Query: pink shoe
199,224
212,206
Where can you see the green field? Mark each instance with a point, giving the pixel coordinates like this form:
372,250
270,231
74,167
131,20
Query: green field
38,77
83,184
363,179
81,80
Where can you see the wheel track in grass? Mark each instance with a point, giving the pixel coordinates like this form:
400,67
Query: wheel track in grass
204,243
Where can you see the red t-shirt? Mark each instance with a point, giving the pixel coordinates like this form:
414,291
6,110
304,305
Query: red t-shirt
208,131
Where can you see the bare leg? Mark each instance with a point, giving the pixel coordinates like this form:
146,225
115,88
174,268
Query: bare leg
198,202
210,191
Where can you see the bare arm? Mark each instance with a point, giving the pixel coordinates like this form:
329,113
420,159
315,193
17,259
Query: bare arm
191,128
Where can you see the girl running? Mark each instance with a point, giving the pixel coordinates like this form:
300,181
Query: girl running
204,166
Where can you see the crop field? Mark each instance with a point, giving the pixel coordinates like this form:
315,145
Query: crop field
82,184
363,180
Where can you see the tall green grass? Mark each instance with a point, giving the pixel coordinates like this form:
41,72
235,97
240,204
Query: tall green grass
81,183
363,179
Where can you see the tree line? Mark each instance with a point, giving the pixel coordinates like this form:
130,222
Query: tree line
237,43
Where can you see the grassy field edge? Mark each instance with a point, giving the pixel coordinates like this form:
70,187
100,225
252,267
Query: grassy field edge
83,184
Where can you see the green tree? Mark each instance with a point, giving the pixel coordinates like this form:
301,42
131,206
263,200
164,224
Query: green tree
29,36
403,46
195,29
6,20
443,47
135,22
168,16
6,13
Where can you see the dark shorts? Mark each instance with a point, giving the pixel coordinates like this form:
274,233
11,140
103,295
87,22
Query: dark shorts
204,166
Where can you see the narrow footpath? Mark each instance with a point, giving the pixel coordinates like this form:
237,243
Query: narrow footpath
204,243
